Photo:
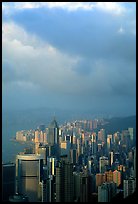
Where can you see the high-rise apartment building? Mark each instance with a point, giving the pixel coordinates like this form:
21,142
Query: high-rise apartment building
117,177
103,163
109,176
100,179
106,191
129,186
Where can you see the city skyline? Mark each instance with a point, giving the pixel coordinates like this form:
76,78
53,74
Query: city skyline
70,55
77,164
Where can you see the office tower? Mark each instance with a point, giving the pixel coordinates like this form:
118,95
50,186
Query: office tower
41,137
134,161
64,182
78,147
51,164
111,158
89,165
74,140
101,135
95,124
103,163
93,144
82,138
68,185
8,180
73,156
100,179
42,151
18,198
131,133
109,176
45,138
37,136
91,125
117,156
43,189
47,189
64,148
76,186
53,133
125,134
116,137
99,146
109,142
129,187
60,132
106,192
117,177
59,183
83,188
37,144
69,138
29,173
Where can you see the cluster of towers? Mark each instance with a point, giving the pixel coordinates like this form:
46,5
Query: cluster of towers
70,168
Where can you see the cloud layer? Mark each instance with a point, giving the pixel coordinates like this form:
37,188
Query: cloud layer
70,55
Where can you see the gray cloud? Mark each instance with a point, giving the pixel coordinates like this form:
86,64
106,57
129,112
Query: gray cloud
79,59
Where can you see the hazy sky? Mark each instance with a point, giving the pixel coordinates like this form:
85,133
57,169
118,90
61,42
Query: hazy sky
69,55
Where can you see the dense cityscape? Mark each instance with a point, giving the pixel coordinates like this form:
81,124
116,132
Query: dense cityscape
68,101
74,162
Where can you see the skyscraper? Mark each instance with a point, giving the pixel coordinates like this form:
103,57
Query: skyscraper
117,177
51,163
111,158
100,179
106,192
29,173
8,180
103,163
53,133
64,182
129,186
131,133
109,141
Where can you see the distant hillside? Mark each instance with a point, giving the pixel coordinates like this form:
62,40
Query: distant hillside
119,124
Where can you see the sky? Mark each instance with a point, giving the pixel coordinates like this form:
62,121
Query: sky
69,55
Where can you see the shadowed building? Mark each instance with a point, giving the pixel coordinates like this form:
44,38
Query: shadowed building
64,181
53,133
29,173
8,180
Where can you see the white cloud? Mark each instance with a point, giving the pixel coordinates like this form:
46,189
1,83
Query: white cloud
71,6
37,61
113,7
